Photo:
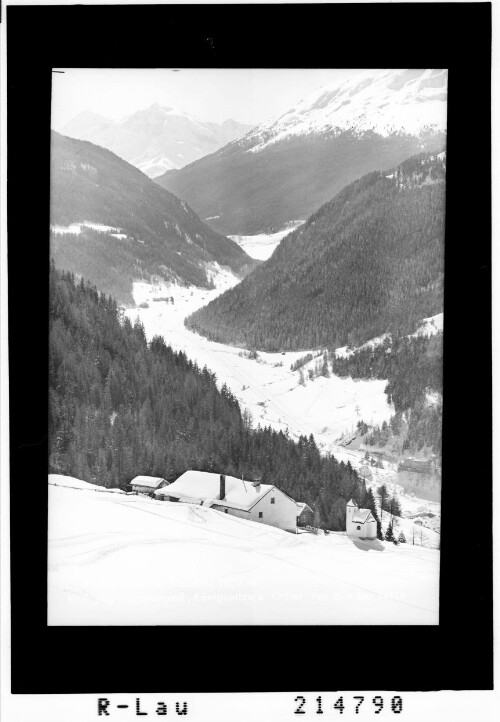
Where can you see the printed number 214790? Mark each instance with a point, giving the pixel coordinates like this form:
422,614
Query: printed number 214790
375,705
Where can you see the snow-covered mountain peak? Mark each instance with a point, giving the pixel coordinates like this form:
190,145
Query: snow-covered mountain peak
395,101
157,138
159,114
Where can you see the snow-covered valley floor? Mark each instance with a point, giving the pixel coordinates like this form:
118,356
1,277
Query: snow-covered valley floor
116,559
329,408
325,407
262,245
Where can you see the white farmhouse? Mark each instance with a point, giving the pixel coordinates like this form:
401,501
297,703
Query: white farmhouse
360,522
251,500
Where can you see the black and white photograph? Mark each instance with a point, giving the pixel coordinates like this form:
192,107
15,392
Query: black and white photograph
249,336
246,326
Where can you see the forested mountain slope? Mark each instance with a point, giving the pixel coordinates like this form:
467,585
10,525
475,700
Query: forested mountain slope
368,262
149,231
413,366
119,407
286,168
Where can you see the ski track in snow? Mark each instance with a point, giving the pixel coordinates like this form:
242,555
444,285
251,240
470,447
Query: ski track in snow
193,565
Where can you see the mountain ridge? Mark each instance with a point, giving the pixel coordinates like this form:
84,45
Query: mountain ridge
367,262
156,138
277,173
408,102
137,229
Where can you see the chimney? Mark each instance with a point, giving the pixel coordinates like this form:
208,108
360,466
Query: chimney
222,487
256,484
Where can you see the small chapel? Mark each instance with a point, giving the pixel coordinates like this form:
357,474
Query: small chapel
360,522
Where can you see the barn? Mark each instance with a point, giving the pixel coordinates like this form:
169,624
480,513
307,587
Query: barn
360,523
251,500
305,514
147,484
412,464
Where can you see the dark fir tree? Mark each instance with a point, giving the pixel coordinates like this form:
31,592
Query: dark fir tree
384,496
395,507
389,534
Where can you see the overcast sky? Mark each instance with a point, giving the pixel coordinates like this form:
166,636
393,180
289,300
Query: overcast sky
248,96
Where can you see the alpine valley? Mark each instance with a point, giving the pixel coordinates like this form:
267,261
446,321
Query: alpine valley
303,351
368,262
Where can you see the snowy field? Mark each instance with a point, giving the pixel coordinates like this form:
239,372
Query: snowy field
329,408
116,559
262,245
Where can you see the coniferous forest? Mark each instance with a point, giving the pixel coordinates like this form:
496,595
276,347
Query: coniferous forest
413,367
120,406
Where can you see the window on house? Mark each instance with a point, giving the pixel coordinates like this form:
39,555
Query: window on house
225,511
358,528
272,500
260,515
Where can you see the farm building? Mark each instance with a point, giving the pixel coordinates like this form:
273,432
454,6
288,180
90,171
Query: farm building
161,493
420,465
250,500
147,484
305,515
360,522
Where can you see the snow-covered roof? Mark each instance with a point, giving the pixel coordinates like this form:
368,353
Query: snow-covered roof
362,515
162,490
351,503
150,481
201,487
301,506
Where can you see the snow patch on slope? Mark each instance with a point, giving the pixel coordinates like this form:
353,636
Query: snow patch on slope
346,351
76,228
221,276
433,398
430,326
